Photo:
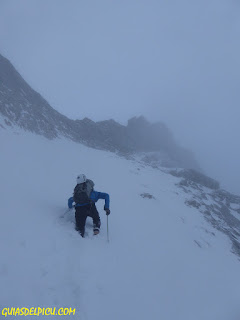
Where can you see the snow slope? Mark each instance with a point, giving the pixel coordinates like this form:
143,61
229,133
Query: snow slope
164,261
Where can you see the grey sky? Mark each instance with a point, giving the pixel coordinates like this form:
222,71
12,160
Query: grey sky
173,61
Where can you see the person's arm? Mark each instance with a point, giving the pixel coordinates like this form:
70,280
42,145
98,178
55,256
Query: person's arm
95,196
105,196
70,202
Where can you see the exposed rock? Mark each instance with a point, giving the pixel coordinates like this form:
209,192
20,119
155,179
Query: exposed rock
147,195
219,207
191,176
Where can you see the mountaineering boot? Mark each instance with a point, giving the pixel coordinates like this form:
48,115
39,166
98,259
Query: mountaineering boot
95,231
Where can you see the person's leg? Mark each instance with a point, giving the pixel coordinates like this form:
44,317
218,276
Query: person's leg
80,217
96,219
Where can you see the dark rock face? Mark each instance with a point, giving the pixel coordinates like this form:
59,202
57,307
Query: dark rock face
157,140
191,176
22,106
107,135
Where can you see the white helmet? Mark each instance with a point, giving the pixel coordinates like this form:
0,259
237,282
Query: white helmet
81,178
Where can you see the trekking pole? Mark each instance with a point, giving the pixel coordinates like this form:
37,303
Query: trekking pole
107,230
64,214
67,211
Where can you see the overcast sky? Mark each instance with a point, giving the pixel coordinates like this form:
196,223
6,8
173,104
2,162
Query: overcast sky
172,61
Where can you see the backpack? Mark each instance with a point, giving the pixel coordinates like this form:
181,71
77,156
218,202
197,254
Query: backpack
82,192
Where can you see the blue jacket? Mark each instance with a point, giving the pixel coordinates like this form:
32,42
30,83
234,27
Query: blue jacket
94,196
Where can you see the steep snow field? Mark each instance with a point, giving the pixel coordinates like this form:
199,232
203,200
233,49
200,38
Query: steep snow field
153,267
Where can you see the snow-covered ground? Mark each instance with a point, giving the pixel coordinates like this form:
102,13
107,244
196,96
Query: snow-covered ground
163,260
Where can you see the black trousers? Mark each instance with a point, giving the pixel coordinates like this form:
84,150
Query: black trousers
81,214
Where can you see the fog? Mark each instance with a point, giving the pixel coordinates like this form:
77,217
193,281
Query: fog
171,61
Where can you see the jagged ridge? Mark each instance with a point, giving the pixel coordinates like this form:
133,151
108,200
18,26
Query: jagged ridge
22,106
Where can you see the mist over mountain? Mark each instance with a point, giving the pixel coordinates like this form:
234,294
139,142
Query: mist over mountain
167,217
22,106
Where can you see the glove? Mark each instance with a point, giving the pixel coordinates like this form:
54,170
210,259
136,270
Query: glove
107,211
